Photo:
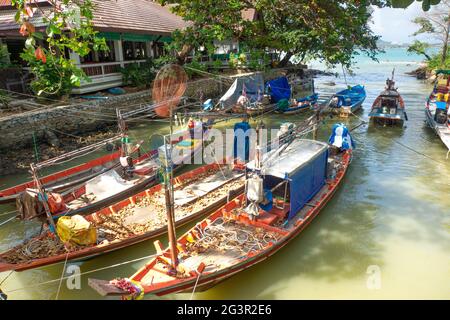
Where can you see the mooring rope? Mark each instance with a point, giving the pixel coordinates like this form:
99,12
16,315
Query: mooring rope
6,213
7,220
84,273
62,275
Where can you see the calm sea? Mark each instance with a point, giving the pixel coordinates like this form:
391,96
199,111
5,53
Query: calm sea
384,235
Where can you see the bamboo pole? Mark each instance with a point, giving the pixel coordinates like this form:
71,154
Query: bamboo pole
169,197
44,200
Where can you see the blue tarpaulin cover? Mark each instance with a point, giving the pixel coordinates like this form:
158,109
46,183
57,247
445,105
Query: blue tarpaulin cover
241,141
441,105
279,89
303,163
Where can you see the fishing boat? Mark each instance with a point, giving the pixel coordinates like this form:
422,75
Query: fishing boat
348,101
298,105
67,178
138,218
283,195
281,94
245,95
437,109
114,185
389,107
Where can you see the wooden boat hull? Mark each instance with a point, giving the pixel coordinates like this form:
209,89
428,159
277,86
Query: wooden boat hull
254,112
377,116
357,95
442,131
93,251
68,177
299,109
206,280
72,194
209,281
387,119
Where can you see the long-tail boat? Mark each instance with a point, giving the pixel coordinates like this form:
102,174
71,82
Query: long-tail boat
437,109
282,197
67,178
122,182
350,99
389,107
281,93
138,218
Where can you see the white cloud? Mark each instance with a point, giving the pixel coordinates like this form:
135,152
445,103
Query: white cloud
395,25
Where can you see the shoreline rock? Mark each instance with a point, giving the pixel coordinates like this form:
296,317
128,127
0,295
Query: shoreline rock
18,161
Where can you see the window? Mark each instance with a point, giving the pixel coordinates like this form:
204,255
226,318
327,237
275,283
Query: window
133,50
100,56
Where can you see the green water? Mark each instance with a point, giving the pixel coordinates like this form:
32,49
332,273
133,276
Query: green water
392,212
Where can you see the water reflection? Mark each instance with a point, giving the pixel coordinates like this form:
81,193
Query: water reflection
392,211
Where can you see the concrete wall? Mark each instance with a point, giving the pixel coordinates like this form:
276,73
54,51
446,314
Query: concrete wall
16,131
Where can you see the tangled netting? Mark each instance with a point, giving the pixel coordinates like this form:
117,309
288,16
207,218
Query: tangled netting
168,88
231,237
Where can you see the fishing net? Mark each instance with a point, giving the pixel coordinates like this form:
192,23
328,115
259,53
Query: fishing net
168,88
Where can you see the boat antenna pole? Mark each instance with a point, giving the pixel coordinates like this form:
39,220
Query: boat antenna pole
122,129
345,77
43,197
168,190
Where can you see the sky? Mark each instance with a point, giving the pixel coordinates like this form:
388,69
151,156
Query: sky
394,25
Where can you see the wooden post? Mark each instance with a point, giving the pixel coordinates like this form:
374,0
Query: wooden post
169,197
41,194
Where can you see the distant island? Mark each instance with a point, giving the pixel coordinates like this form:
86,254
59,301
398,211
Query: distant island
382,44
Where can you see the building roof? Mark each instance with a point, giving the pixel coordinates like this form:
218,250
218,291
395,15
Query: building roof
133,16
137,16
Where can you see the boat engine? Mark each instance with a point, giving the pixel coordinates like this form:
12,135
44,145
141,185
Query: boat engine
440,116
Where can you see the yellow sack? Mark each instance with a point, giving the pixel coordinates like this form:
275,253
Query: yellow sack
76,229
442,82
440,97
446,97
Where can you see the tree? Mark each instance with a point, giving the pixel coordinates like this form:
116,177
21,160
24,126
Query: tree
435,23
420,47
426,4
68,27
330,30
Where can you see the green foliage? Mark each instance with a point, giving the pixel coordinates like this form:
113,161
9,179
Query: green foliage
55,74
420,48
4,57
139,75
4,99
426,4
434,25
328,30
425,26
195,68
435,62
54,78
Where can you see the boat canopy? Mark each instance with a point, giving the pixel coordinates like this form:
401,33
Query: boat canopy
279,89
252,86
443,71
354,94
303,163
